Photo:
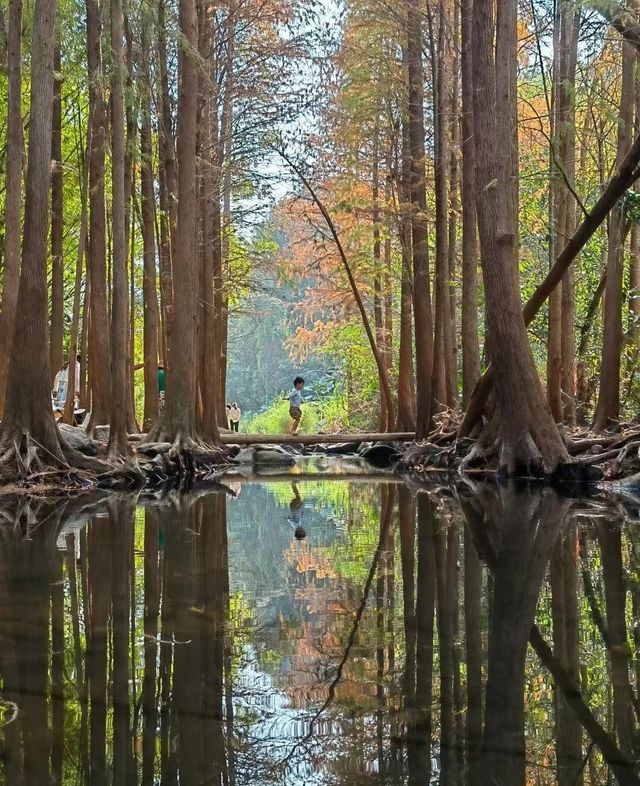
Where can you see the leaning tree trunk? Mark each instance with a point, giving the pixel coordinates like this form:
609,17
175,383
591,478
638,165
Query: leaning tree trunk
178,420
13,191
28,414
530,441
118,443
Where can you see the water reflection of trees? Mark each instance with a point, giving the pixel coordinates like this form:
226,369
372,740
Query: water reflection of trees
494,635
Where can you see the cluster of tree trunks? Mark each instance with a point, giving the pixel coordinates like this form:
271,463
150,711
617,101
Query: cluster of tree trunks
183,329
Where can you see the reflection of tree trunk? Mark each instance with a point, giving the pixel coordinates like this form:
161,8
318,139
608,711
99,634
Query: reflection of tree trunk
121,521
167,751
151,610
29,593
520,565
214,581
419,731
407,522
10,618
380,642
445,641
473,641
99,581
563,578
180,527
615,594
57,668
72,581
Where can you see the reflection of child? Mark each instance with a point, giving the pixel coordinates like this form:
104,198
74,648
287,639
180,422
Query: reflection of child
295,513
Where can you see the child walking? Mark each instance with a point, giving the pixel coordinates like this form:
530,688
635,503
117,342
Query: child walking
295,404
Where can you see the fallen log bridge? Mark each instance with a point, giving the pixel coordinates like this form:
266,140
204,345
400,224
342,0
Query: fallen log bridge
230,438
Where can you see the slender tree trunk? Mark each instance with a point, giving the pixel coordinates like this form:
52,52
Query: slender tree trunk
441,348
421,287
13,190
168,153
72,382
210,250
377,266
608,406
470,349
99,345
571,31
454,210
118,443
149,287
57,226
406,392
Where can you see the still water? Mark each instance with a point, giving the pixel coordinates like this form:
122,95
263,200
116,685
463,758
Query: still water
462,635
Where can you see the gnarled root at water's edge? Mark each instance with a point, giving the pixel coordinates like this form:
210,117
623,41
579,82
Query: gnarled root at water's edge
587,458
30,464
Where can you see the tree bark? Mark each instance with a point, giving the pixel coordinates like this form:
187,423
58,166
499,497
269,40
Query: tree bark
13,199
530,441
441,348
178,420
149,285
57,226
28,394
423,325
406,420
118,443
470,348
608,406
99,345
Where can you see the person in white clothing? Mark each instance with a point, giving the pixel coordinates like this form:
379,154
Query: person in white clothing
61,385
234,417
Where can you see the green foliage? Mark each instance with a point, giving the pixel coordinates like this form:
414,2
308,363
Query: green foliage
330,414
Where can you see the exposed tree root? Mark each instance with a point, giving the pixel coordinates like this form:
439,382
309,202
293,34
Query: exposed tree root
609,456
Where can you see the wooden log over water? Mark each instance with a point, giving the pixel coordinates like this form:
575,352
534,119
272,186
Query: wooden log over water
312,439
314,477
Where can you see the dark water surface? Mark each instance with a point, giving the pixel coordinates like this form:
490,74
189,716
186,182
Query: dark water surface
452,636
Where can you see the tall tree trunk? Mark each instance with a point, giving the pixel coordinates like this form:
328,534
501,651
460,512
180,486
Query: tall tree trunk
168,171
178,420
99,345
530,441
149,287
608,406
470,349
118,443
451,359
57,228
571,31
210,248
13,191
377,266
421,287
28,393
225,145
441,348
72,382
406,420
